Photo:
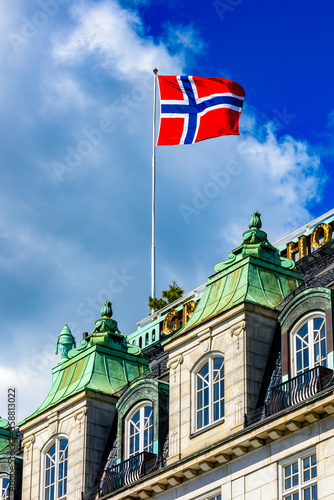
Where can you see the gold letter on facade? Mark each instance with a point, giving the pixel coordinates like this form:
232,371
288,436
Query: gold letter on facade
188,309
172,317
292,248
316,234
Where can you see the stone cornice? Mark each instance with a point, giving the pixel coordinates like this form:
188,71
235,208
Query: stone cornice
276,427
69,404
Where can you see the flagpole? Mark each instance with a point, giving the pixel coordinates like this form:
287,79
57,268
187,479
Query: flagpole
155,71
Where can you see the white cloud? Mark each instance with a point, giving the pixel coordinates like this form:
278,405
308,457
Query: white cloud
180,37
115,36
64,92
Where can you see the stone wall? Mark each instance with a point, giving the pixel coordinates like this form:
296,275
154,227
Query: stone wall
244,335
86,422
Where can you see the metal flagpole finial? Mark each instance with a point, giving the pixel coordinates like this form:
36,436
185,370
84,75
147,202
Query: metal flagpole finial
155,71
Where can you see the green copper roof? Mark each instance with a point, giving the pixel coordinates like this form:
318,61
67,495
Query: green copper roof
254,273
105,362
7,436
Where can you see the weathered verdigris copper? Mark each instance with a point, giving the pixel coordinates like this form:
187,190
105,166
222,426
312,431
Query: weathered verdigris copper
105,362
66,341
254,272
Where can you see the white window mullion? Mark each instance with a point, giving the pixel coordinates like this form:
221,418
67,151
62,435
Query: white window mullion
311,343
210,390
142,423
56,467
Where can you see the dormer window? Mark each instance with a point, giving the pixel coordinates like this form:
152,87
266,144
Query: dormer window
55,470
140,429
309,343
210,398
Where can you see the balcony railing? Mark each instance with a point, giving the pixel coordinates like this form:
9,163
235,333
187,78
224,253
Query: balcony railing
129,472
292,392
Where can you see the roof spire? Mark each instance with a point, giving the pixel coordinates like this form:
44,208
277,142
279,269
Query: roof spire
66,341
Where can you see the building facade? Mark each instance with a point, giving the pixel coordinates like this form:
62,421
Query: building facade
227,394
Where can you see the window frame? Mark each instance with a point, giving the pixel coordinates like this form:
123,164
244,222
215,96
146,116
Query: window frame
306,319
55,441
7,490
209,358
131,413
302,485
212,495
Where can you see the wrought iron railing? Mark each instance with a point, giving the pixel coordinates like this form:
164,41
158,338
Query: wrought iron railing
129,471
292,392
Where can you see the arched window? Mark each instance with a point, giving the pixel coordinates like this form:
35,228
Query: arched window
55,470
309,344
4,487
140,429
209,382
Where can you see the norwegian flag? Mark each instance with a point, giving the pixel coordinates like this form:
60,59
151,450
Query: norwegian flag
194,109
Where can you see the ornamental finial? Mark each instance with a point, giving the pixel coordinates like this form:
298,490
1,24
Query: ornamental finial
106,311
66,341
255,221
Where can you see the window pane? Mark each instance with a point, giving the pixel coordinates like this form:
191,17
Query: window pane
317,322
314,492
216,415
206,396
216,392
136,417
306,358
303,332
206,416
199,383
307,494
316,353
200,420
200,400
148,411
218,363
205,370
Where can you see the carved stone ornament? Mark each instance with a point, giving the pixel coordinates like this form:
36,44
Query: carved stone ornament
174,443
53,422
79,417
27,445
236,330
173,363
205,340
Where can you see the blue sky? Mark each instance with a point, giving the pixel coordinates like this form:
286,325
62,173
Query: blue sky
76,139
